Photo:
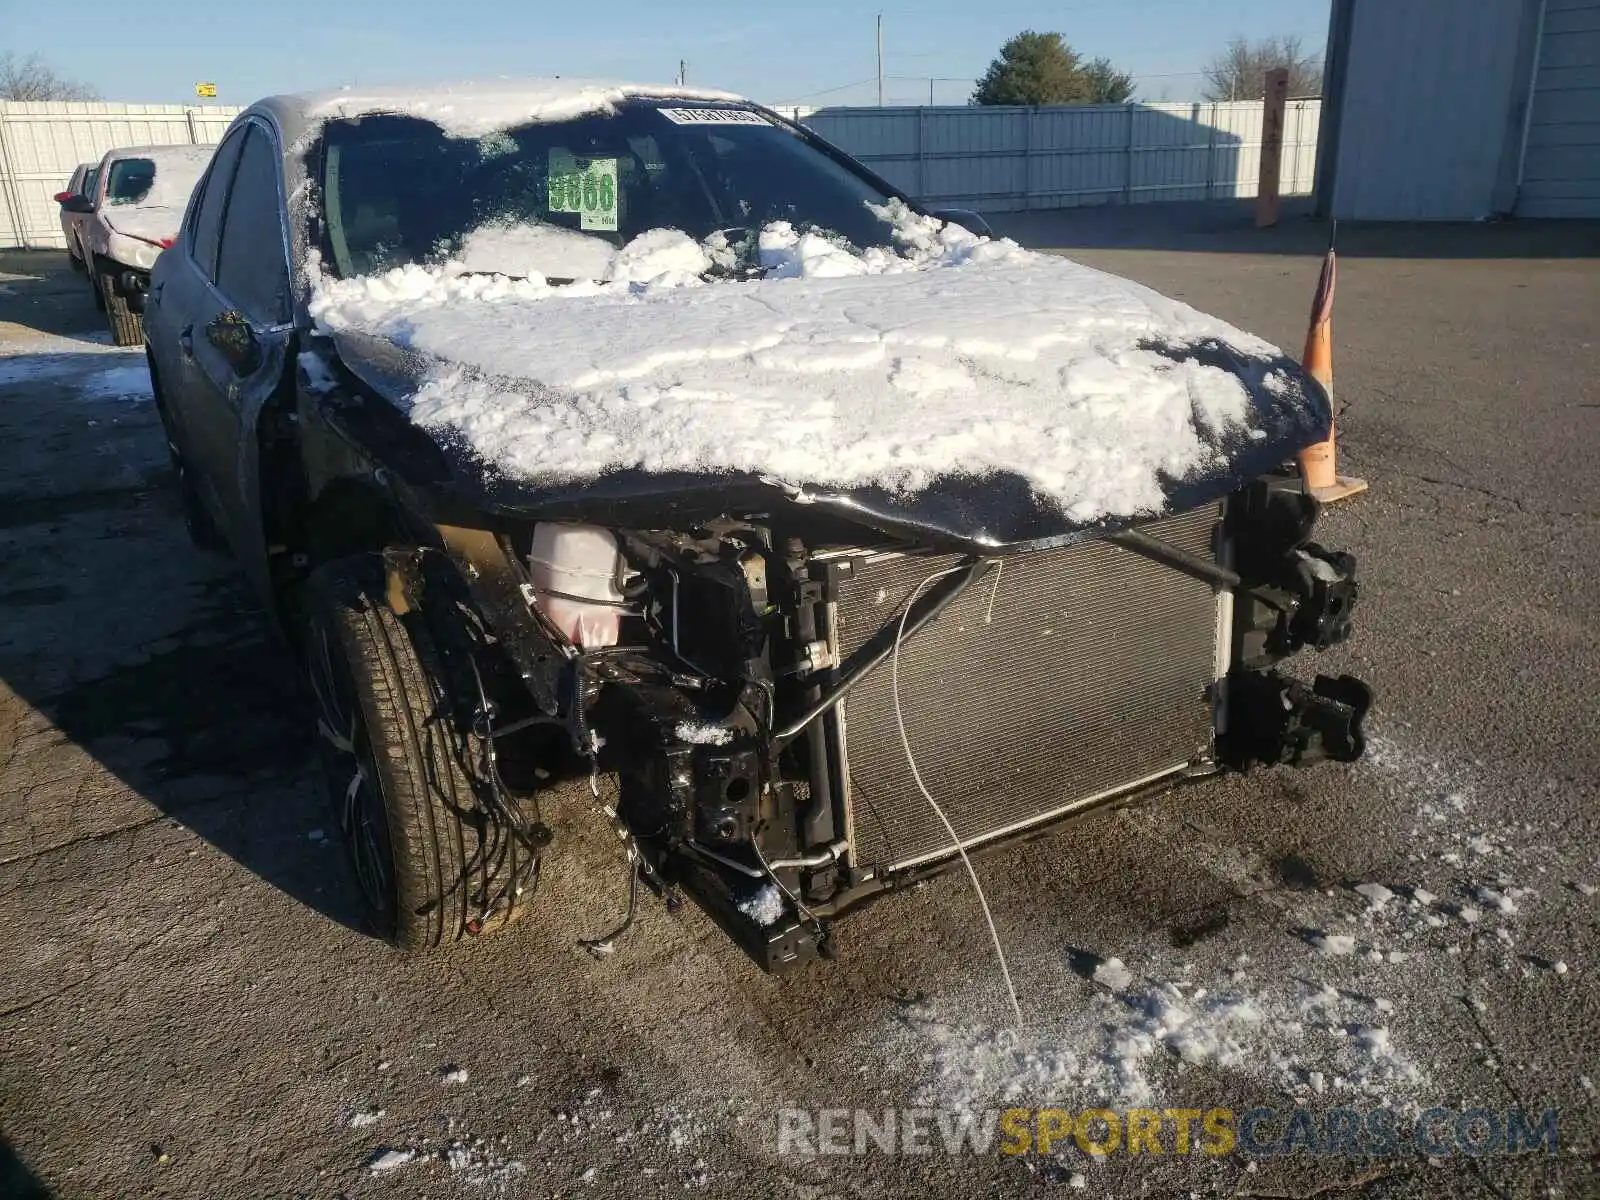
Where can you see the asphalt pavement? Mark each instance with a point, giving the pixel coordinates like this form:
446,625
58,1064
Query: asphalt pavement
189,1005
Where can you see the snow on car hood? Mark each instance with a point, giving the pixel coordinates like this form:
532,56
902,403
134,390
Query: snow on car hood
157,215
957,360
150,223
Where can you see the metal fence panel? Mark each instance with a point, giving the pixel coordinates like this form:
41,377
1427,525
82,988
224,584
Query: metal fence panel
992,159
1001,158
42,142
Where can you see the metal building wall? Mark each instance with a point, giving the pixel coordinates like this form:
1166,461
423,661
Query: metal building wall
1002,158
1428,101
41,142
1561,165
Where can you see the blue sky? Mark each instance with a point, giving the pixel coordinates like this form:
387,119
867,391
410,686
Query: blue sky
799,54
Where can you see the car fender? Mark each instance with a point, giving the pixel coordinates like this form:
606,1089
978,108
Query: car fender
95,233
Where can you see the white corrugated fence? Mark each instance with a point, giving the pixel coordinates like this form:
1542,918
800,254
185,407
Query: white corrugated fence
992,159
1000,158
42,142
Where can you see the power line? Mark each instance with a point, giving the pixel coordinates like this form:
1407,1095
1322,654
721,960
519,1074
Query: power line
828,91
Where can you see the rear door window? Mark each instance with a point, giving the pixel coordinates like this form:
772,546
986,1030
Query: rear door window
206,220
252,269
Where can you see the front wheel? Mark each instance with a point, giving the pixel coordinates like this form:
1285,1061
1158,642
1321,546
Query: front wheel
127,327
436,858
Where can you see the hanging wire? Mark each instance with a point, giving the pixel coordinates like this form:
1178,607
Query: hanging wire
916,775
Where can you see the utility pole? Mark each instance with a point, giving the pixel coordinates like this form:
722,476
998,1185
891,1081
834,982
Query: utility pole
683,73
880,60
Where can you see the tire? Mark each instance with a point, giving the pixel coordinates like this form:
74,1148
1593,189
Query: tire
434,860
94,287
127,327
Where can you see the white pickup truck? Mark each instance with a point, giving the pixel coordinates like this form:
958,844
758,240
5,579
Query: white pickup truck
130,215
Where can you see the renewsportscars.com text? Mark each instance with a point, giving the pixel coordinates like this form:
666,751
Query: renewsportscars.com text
1255,1132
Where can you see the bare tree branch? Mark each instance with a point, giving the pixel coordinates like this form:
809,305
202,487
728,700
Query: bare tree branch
30,78
1239,72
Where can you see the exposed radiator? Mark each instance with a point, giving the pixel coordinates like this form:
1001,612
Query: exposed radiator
1083,672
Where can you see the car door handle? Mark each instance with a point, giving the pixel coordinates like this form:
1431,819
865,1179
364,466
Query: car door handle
186,341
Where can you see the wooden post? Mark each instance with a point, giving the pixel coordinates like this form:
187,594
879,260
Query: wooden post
1272,114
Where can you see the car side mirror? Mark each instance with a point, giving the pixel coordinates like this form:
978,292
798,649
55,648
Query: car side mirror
233,338
965,218
73,202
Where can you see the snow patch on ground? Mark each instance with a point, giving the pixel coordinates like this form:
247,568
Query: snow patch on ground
385,1161
58,359
475,1161
1016,361
1500,901
481,1163
1376,894
1441,794
1125,1046
25,368
1447,832
1335,945
1113,974
128,382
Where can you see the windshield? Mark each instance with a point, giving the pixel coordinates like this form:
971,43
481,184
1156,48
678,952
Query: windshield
557,199
130,180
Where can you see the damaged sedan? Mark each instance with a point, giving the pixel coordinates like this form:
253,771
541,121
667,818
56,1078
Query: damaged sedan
590,430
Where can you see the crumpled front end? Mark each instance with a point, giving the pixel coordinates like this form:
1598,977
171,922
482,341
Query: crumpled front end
802,713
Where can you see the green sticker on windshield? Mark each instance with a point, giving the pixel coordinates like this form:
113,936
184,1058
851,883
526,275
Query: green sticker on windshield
586,186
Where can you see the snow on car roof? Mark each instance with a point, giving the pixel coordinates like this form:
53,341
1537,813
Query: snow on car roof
167,153
472,109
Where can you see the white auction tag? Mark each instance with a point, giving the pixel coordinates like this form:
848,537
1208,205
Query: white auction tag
713,116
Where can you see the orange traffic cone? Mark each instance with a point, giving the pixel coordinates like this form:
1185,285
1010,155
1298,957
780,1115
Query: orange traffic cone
1318,462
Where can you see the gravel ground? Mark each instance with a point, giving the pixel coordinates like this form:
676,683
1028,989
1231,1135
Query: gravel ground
189,1007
